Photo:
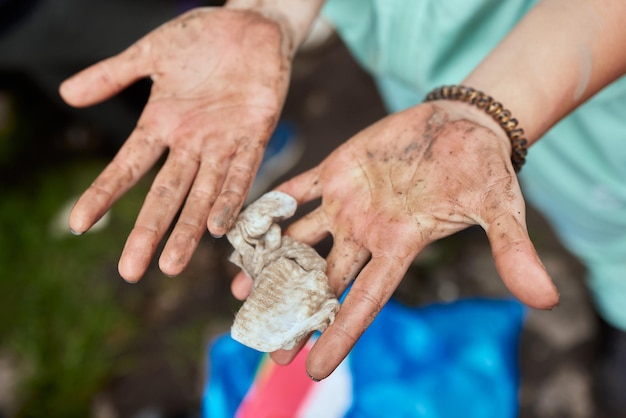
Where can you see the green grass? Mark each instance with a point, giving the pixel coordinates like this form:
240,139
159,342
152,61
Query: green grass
69,325
59,317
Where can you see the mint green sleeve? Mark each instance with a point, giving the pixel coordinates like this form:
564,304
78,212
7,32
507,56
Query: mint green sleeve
576,175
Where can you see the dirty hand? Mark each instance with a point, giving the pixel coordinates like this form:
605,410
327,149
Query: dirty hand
219,82
404,182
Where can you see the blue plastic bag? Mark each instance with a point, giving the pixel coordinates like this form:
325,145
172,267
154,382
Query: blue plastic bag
447,360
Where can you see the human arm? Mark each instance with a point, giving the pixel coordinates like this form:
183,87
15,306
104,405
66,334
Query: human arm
220,77
468,178
561,54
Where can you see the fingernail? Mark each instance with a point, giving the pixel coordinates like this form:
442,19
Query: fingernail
216,235
75,232
129,280
311,377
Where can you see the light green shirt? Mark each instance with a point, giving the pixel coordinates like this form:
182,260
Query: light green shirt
576,175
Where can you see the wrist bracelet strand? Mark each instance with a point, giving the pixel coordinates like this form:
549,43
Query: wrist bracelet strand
519,144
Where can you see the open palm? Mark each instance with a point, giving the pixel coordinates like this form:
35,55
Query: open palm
404,182
219,82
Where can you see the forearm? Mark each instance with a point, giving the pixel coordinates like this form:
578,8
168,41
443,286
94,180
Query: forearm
294,16
560,54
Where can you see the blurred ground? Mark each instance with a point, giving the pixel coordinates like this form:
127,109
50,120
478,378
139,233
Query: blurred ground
158,329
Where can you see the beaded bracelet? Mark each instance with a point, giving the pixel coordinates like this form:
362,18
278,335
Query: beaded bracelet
519,144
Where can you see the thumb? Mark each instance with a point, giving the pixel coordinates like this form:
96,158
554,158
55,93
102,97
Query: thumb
105,78
518,264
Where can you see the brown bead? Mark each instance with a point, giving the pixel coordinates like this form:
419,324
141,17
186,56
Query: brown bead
494,108
483,102
516,134
454,92
519,144
509,125
503,117
472,96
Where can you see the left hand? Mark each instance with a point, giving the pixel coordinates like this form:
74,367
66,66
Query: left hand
406,181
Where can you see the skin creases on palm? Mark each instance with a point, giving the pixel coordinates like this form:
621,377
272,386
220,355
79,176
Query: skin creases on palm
420,178
219,82
410,179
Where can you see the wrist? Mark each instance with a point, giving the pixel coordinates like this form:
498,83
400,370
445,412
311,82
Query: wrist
492,108
294,18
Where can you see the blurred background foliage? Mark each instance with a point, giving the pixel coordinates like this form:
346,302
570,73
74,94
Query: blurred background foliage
69,326
58,318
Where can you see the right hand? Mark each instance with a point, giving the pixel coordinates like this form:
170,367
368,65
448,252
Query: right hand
410,179
220,78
